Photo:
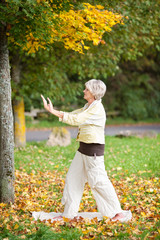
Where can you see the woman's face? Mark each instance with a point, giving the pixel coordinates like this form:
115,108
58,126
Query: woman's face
88,95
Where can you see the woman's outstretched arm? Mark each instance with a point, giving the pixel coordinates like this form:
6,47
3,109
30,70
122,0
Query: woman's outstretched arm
49,108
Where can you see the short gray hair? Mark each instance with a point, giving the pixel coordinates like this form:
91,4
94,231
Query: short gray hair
96,87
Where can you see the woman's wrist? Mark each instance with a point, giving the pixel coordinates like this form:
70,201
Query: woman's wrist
57,113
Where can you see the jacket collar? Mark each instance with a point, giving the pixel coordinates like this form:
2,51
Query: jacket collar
92,104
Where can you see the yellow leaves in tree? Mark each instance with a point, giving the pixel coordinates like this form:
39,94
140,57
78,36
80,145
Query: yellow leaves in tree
73,28
33,44
88,24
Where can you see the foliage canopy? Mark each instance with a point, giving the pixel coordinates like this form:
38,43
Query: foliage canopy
37,24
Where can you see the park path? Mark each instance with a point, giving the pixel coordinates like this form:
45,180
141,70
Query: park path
40,135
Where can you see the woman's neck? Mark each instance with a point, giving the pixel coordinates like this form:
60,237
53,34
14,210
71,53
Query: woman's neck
90,101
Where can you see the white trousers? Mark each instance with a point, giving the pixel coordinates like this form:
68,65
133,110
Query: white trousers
92,170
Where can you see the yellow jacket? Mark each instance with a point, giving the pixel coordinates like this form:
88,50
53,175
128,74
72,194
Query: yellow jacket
90,120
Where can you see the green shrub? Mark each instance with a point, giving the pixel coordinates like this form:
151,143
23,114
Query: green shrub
152,105
134,105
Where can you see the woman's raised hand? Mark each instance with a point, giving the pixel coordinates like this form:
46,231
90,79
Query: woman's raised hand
48,107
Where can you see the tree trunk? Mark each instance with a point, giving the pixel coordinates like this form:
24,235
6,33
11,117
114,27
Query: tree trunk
18,103
6,124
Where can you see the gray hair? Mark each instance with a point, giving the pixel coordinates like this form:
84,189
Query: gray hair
96,87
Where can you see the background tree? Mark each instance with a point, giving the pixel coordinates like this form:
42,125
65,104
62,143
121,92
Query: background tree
17,100
127,61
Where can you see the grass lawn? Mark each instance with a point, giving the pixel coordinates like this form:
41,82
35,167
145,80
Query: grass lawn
133,166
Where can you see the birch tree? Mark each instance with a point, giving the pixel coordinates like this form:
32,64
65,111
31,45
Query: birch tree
6,123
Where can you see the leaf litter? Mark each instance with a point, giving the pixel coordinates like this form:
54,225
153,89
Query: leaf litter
42,191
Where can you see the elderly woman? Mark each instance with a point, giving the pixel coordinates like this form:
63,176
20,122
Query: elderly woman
88,163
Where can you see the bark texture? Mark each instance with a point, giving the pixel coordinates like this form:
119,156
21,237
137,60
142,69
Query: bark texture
6,124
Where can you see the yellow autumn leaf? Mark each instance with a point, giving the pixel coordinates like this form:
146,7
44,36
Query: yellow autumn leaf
85,47
56,166
153,208
96,41
85,231
16,226
143,214
124,200
99,7
100,229
3,204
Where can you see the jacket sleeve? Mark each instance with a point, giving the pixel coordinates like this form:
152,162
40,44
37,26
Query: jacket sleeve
93,116
77,111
